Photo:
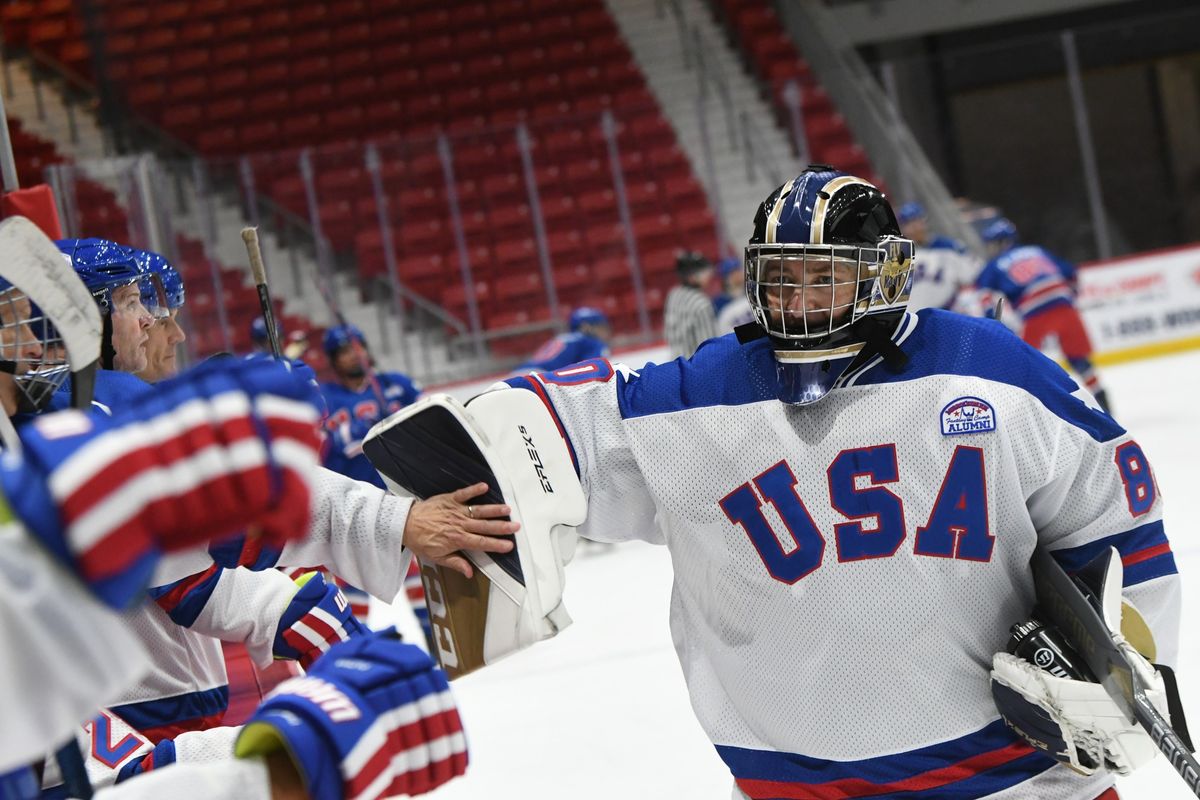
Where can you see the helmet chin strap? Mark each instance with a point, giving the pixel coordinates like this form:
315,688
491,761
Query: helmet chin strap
878,337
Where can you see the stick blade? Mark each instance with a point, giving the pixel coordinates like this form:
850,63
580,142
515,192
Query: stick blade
31,262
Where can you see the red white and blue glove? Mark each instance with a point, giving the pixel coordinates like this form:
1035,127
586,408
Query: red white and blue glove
373,718
224,446
318,617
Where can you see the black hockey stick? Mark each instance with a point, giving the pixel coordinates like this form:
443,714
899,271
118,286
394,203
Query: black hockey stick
1073,610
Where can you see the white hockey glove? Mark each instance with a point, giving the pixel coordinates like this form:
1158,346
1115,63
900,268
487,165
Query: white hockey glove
1075,721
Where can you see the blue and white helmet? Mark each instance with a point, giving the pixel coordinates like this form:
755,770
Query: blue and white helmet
826,270
102,266
1000,232
162,285
586,315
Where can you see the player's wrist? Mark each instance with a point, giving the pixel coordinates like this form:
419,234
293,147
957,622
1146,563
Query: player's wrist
285,780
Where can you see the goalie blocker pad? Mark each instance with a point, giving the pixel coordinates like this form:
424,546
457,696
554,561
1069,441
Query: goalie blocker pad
507,439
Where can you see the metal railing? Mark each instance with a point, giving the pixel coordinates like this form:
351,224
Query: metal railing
872,116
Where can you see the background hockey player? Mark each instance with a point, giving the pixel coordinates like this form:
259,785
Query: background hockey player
354,401
1040,288
113,275
735,310
858,488
163,298
588,332
688,317
944,267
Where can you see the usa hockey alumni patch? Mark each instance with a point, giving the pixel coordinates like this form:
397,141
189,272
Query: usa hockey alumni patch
967,415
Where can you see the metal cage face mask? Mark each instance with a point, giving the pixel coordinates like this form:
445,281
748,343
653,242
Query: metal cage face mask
806,294
32,350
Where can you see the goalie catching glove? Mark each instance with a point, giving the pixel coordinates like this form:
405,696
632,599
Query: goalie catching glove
372,718
1052,700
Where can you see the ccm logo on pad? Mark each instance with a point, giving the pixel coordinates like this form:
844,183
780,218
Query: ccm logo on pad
536,459
968,415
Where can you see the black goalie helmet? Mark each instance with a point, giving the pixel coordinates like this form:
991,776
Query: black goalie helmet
826,269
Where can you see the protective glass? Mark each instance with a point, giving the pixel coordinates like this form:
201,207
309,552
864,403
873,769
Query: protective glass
154,296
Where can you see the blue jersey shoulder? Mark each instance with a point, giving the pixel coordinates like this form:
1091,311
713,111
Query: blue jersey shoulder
945,343
113,390
564,349
722,372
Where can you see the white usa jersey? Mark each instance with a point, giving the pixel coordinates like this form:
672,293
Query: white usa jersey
845,571
942,268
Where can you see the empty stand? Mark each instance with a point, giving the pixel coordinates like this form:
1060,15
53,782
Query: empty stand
232,78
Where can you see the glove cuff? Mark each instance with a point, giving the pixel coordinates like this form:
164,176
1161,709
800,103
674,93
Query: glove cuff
299,718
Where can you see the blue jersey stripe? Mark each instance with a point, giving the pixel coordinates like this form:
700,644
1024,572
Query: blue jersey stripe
171,710
724,373
184,599
1144,550
975,765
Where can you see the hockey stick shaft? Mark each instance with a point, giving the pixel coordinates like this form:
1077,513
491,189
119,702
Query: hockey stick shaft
1069,609
259,271
1166,740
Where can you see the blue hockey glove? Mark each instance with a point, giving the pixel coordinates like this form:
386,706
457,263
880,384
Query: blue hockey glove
221,447
373,718
318,617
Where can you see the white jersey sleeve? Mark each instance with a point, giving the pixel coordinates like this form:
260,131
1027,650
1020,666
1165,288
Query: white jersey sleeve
357,531
246,607
582,399
65,654
1102,493
228,779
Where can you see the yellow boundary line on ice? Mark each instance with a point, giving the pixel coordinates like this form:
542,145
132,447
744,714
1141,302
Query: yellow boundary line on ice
1146,351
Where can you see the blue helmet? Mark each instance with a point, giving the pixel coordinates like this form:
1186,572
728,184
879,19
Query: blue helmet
910,211
102,266
339,336
586,315
728,266
827,271
999,230
160,275
258,330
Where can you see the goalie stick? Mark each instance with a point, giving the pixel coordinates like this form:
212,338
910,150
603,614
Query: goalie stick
1067,603
30,261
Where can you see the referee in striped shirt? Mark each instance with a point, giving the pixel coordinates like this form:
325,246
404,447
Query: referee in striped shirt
688,317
